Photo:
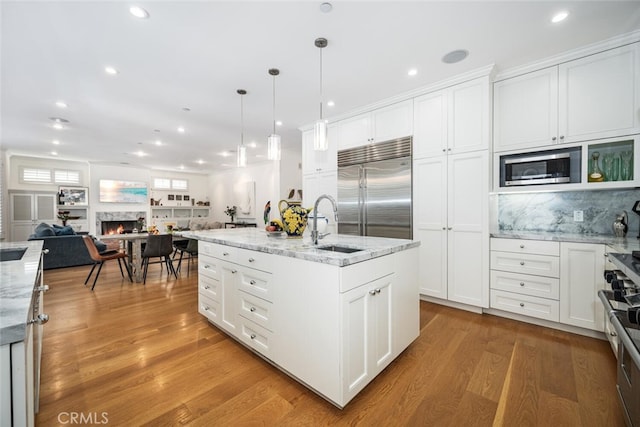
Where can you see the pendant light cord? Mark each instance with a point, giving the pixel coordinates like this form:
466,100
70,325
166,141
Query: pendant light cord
241,120
274,104
321,84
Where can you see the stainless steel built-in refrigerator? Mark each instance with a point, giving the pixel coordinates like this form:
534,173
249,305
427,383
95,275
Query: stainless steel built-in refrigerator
374,190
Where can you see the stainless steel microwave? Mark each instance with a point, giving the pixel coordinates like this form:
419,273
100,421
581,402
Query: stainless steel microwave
560,166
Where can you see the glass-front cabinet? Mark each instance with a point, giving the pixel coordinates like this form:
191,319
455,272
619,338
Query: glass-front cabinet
611,163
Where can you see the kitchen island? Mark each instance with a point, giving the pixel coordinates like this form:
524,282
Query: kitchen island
332,316
20,337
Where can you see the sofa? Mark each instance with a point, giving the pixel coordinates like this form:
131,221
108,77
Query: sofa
204,224
66,247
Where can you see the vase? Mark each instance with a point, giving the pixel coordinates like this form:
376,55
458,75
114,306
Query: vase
294,218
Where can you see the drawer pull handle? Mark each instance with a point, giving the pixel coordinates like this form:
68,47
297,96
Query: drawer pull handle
521,262
521,246
207,287
253,336
234,271
206,308
521,304
372,292
378,291
521,283
251,260
252,309
225,253
252,282
207,266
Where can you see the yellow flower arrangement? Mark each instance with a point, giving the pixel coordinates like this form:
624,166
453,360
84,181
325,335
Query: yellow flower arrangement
295,220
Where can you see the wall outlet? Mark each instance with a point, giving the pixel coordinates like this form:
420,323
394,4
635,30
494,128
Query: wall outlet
578,216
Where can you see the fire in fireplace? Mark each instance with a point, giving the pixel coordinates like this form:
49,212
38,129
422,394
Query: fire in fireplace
118,227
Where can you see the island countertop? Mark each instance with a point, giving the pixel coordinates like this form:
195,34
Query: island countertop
260,240
17,280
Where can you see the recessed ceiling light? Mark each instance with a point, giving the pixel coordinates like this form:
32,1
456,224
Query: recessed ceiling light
412,72
138,12
140,153
180,129
110,70
200,161
181,167
61,104
158,142
55,142
559,17
58,126
326,7
279,123
330,104
455,56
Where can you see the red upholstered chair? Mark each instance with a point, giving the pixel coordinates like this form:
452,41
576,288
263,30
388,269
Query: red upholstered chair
100,257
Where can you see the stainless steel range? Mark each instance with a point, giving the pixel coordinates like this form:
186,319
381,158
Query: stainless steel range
622,305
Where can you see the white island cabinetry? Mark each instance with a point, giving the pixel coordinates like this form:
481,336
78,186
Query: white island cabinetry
332,327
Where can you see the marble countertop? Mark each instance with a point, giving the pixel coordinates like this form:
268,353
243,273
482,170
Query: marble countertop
17,280
258,240
619,244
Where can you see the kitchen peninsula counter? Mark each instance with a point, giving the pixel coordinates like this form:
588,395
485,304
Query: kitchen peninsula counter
17,280
331,320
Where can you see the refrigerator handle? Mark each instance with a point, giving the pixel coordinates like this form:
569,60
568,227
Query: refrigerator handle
363,201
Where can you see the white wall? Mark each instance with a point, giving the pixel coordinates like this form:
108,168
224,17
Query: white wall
290,171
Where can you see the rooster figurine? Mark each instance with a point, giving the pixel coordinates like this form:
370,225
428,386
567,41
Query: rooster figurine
267,210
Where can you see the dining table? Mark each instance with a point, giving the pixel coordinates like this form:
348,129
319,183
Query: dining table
132,243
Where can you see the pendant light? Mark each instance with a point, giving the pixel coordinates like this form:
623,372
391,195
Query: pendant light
242,150
320,140
273,142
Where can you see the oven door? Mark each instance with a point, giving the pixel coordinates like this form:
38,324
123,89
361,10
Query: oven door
629,381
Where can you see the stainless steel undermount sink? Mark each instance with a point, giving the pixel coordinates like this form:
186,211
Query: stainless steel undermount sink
12,254
341,249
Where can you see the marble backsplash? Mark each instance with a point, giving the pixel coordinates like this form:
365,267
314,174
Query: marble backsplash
553,212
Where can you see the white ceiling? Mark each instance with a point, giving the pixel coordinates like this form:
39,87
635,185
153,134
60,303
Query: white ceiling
197,54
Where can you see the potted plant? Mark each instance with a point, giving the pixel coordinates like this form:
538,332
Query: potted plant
231,211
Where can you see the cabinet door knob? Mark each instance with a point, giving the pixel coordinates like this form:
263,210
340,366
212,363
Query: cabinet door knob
561,136
207,266
252,282
43,288
207,287
252,309
521,304
225,253
234,271
448,149
521,246
253,336
613,334
444,150
372,292
251,260
449,228
554,138
444,228
206,308
521,283
521,262
40,319
378,291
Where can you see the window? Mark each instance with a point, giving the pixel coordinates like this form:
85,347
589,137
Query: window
33,175
170,184
66,177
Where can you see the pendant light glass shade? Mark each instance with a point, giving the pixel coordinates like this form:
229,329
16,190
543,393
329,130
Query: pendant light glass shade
242,156
273,141
320,138
273,147
242,150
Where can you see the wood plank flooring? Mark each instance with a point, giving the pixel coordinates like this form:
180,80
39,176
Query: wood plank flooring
134,355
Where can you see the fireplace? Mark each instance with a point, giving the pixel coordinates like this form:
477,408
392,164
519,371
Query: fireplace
117,222
118,227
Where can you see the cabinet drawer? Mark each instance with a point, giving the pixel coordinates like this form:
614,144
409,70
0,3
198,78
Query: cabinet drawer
539,247
209,266
209,308
255,336
541,308
364,272
227,253
254,259
542,265
526,284
256,309
256,282
209,287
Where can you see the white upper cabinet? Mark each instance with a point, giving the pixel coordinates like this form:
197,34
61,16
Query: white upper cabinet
319,161
383,124
453,120
597,96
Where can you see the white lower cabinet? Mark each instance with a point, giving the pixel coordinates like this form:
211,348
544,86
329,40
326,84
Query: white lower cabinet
525,277
581,277
332,328
556,281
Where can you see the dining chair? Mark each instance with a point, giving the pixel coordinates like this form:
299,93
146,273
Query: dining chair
100,257
158,246
191,249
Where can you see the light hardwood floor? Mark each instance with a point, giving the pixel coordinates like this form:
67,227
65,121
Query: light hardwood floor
134,355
